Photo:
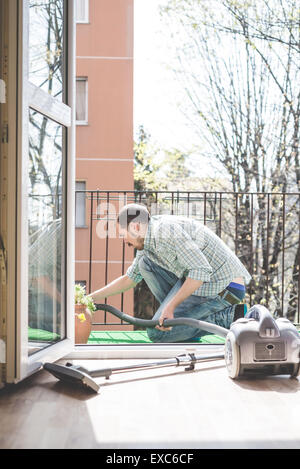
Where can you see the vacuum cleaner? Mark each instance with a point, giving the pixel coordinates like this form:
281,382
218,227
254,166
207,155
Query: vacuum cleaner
257,344
260,345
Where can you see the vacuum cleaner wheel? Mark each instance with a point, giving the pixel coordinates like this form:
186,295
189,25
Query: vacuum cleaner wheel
232,356
296,371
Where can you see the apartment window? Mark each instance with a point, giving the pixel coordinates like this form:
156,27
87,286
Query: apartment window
81,101
80,208
82,11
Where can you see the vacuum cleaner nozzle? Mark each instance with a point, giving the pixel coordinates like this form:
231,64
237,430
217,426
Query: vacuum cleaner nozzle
72,375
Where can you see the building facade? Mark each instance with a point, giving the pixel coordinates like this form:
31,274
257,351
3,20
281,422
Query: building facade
104,139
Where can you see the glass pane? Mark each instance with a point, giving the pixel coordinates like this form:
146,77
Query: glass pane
46,43
46,232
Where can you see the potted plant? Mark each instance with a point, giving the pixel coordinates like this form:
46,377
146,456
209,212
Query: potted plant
84,308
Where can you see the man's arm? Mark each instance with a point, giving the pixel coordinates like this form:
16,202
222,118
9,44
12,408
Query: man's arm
117,286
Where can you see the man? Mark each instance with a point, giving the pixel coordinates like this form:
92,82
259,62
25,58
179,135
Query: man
190,271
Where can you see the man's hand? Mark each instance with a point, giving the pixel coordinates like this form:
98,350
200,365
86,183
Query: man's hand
167,313
187,289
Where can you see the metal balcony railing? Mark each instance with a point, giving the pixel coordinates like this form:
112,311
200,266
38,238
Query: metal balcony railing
263,229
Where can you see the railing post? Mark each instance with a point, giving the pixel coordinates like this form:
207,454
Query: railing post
123,261
283,253
91,244
251,247
220,216
298,269
268,248
236,221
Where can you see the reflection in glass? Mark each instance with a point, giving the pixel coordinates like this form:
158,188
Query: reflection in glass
46,42
45,276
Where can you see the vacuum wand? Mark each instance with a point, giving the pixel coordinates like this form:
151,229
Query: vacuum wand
181,360
78,375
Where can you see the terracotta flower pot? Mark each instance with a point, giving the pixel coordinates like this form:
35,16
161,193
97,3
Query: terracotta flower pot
82,327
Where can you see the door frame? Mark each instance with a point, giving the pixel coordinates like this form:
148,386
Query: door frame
19,364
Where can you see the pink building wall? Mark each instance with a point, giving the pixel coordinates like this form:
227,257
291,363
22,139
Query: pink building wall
104,147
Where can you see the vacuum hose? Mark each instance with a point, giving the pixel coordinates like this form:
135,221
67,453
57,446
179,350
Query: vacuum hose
206,326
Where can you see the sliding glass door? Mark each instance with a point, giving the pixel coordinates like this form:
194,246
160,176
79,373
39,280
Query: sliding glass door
45,183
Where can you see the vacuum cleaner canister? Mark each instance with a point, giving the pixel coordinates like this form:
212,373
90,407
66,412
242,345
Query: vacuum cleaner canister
259,344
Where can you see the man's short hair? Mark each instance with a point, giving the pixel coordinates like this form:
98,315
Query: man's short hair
133,212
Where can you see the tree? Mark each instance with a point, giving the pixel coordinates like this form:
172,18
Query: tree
145,169
237,62
157,168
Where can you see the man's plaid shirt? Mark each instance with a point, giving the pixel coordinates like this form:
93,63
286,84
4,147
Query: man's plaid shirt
188,248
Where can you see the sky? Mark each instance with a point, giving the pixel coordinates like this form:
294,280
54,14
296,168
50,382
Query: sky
156,93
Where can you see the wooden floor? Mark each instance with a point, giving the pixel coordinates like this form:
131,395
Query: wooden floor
165,408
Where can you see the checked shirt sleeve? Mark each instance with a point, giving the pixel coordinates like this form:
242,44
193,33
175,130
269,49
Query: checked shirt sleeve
133,271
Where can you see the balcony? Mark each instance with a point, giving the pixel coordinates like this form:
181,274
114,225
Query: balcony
261,228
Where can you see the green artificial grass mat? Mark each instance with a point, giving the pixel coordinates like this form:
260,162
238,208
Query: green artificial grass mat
113,337
139,337
41,336
116,337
